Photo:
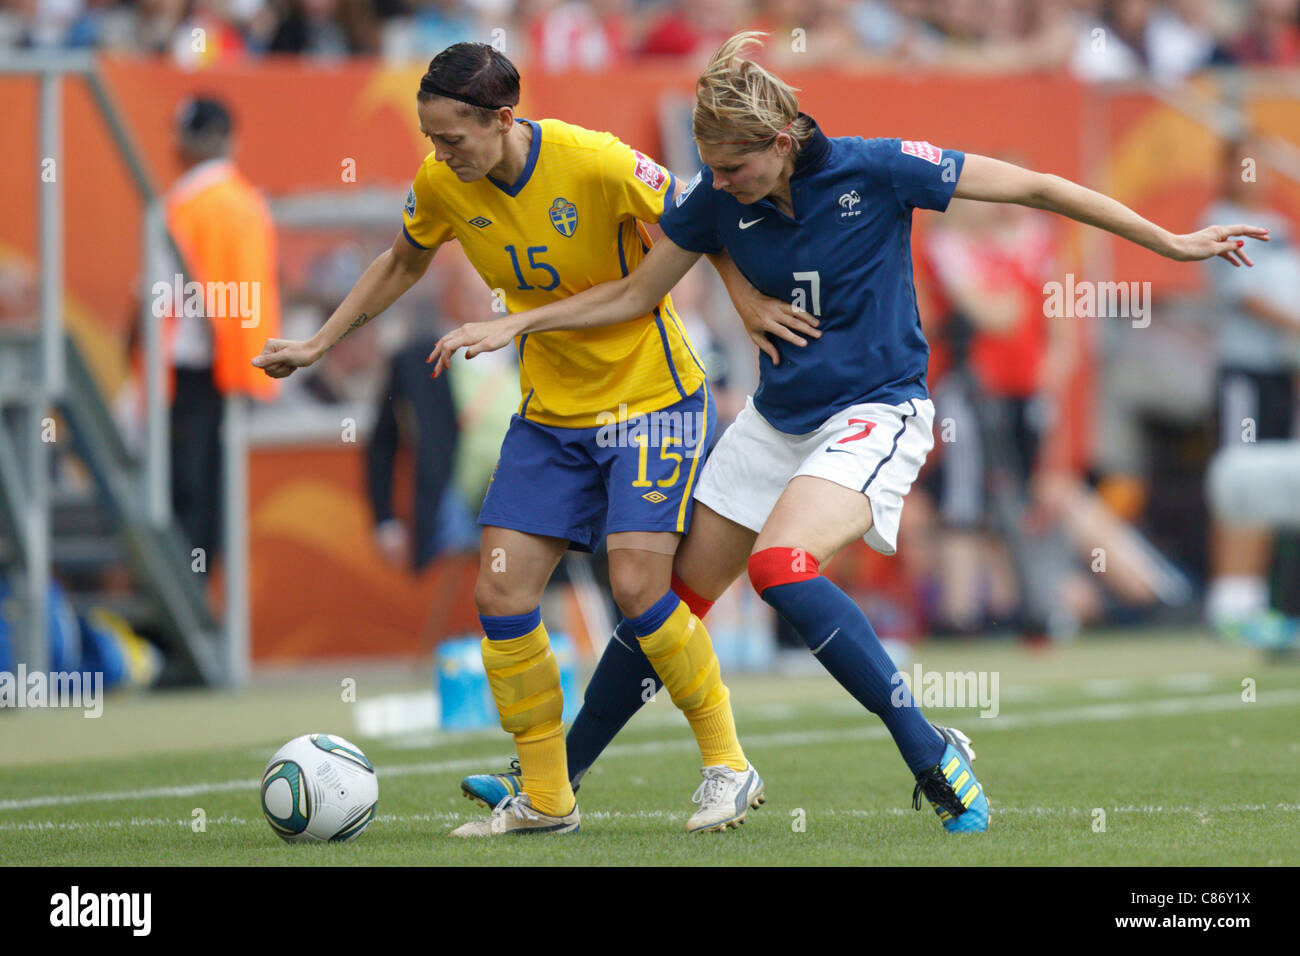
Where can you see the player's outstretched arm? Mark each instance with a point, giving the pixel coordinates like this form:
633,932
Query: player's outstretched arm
605,304
992,180
392,273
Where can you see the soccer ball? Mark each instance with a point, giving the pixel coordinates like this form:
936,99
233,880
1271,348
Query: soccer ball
319,788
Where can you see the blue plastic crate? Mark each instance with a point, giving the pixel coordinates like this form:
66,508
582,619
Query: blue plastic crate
463,692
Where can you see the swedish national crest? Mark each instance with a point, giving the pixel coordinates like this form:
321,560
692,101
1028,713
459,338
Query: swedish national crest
564,216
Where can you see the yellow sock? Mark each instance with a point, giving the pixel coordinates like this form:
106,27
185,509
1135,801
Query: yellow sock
525,681
715,732
682,655
544,767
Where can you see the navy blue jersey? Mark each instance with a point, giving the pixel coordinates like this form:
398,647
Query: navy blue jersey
846,257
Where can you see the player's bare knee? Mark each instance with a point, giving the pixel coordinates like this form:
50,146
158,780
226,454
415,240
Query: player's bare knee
637,579
496,595
634,594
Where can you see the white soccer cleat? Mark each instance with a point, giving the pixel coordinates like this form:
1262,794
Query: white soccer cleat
516,815
725,797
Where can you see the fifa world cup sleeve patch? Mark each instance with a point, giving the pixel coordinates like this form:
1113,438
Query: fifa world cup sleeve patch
923,150
410,203
648,171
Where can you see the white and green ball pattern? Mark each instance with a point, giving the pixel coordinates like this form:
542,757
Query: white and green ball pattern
285,800
319,788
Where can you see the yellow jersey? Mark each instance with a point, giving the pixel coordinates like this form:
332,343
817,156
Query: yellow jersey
573,219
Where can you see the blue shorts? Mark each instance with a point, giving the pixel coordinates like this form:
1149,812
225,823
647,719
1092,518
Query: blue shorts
631,474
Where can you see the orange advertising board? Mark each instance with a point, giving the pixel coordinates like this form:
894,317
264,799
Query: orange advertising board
318,587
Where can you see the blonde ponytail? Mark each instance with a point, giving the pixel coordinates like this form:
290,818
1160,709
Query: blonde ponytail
742,105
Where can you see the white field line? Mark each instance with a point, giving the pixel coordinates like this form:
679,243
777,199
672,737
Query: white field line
1127,686
1092,713
1201,813
667,716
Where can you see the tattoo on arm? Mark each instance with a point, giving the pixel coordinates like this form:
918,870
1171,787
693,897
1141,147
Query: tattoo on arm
361,320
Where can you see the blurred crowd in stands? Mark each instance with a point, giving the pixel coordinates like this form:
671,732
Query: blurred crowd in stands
1099,40
1000,531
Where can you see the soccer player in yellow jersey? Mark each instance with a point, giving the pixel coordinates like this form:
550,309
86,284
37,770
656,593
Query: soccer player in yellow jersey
611,432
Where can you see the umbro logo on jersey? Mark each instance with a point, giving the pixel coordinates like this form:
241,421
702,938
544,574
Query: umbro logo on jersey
847,202
755,222
479,221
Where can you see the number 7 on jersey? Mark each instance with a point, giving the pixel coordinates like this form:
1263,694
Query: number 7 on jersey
797,297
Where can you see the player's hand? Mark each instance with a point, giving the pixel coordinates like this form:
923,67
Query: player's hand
473,337
764,315
279,357
1217,241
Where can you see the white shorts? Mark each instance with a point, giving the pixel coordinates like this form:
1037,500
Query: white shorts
875,448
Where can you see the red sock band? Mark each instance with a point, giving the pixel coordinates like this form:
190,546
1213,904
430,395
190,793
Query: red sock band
698,605
775,566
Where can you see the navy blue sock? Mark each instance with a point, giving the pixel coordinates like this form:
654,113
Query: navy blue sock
508,626
845,643
617,690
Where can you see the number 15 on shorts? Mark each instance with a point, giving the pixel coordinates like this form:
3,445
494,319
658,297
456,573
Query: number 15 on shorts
643,459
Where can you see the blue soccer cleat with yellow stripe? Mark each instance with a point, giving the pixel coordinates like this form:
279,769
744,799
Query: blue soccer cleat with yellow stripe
951,787
490,789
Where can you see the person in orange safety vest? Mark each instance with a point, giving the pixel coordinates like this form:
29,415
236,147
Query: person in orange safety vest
216,313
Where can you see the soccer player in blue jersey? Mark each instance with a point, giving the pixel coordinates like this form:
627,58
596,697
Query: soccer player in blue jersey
834,436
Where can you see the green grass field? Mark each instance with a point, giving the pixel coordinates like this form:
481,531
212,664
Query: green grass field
1151,730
